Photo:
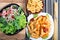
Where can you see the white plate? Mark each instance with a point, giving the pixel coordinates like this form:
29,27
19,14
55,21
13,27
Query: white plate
51,28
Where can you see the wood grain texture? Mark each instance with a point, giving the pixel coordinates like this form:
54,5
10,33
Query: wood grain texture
12,1
21,35
55,21
6,1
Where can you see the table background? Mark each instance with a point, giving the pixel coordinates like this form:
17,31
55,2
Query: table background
48,7
59,20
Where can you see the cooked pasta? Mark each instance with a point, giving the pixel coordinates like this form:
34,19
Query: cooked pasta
39,27
34,5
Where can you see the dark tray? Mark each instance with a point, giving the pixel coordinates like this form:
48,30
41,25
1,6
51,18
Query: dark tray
17,7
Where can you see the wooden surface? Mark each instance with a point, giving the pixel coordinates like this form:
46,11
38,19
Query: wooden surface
21,35
12,1
55,21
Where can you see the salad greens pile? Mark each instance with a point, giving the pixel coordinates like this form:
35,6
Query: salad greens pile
18,23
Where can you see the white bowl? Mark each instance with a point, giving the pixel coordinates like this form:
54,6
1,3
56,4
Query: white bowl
51,27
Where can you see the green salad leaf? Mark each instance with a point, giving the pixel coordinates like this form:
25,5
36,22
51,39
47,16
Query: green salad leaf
7,9
47,14
35,15
20,9
44,39
21,20
28,35
1,24
15,7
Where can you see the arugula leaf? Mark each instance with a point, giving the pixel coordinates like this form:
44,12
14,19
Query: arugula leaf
35,15
17,26
15,7
47,14
28,35
1,25
43,39
2,20
7,9
28,23
19,9
20,21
